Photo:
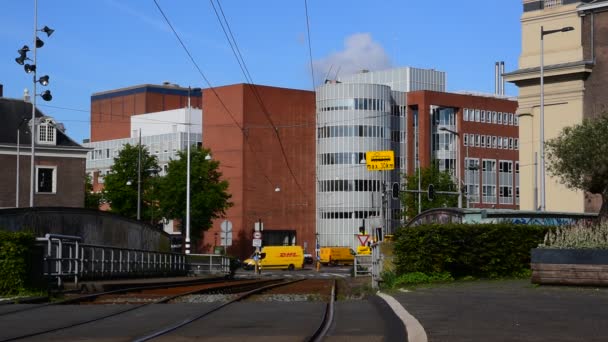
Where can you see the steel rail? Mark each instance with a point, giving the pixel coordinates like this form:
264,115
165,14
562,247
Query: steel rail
242,296
92,296
328,318
162,300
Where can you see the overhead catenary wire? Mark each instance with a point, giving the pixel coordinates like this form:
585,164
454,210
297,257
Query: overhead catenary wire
225,25
241,128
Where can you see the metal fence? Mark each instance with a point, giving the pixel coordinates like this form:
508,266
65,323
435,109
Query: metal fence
67,259
362,266
208,264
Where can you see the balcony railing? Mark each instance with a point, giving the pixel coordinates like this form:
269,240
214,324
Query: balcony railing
552,3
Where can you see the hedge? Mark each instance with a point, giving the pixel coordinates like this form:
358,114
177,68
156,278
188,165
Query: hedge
15,252
479,250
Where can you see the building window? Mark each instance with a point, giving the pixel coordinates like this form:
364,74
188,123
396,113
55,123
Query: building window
472,179
489,181
494,117
506,182
510,143
515,120
477,115
500,118
465,117
517,183
465,141
46,133
483,116
483,141
46,179
516,143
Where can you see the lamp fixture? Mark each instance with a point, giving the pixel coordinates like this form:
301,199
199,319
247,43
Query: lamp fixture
39,42
49,31
44,80
46,95
29,68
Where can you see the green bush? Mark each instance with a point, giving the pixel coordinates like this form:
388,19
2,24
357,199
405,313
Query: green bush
392,280
479,250
15,251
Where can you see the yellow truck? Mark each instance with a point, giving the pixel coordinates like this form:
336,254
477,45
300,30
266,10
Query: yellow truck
278,257
336,256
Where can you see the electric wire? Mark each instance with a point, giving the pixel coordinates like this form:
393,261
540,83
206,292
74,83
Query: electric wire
209,85
225,25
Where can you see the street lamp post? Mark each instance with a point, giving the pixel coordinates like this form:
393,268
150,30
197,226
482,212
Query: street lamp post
46,95
458,178
188,169
543,33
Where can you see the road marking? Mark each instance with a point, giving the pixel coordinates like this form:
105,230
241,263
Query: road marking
415,331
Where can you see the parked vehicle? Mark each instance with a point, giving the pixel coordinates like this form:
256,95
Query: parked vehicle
336,256
278,257
308,258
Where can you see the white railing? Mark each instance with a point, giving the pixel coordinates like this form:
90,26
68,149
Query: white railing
552,3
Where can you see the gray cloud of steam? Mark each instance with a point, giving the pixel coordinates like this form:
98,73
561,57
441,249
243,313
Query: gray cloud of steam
360,52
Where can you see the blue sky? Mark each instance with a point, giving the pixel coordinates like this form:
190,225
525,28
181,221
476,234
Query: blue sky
108,44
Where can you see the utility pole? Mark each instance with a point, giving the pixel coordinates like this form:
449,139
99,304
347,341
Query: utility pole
139,178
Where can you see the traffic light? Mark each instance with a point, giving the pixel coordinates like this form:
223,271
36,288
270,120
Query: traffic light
361,230
431,192
396,190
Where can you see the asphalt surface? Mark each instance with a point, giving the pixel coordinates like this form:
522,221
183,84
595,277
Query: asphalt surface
508,311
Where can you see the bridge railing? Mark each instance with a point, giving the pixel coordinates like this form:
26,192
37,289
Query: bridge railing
67,259
208,264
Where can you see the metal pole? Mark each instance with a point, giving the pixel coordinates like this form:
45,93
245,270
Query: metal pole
465,177
17,181
458,173
535,181
33,124
419,173
139,178
542,122
188,177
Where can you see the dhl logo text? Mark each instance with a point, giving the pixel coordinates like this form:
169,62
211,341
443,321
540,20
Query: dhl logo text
286,255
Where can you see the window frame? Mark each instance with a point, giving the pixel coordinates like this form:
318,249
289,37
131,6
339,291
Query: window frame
54,179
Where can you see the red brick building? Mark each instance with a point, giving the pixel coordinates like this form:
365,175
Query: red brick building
264,138
488,142
111,110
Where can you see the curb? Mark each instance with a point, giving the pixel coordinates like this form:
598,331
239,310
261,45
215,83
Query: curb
415,331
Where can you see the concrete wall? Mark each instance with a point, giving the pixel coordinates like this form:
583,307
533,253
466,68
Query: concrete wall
95,227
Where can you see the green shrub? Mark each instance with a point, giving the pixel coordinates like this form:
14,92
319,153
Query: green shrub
580,235
479,250
392,280
15,251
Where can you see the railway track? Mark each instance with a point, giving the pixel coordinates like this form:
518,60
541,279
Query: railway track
142,297
317,334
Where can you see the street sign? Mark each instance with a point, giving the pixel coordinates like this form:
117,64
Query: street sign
257,243
363,239
258,226
257,235
226,226
226,239
380,160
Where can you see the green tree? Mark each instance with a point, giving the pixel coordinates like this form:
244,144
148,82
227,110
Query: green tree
120,185
92,199
579,158
209,198
442,181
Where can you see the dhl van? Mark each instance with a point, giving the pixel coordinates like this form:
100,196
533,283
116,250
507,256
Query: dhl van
278,257
336,255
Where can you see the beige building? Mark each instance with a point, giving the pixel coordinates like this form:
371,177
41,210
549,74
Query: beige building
575,70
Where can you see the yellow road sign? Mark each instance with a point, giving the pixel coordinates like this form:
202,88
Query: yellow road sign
380,160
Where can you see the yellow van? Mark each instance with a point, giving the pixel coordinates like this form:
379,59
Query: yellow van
336,255
278,257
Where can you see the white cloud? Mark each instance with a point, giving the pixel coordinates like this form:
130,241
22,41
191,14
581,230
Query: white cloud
360,52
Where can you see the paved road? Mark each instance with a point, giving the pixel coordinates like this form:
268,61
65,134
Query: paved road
509,311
